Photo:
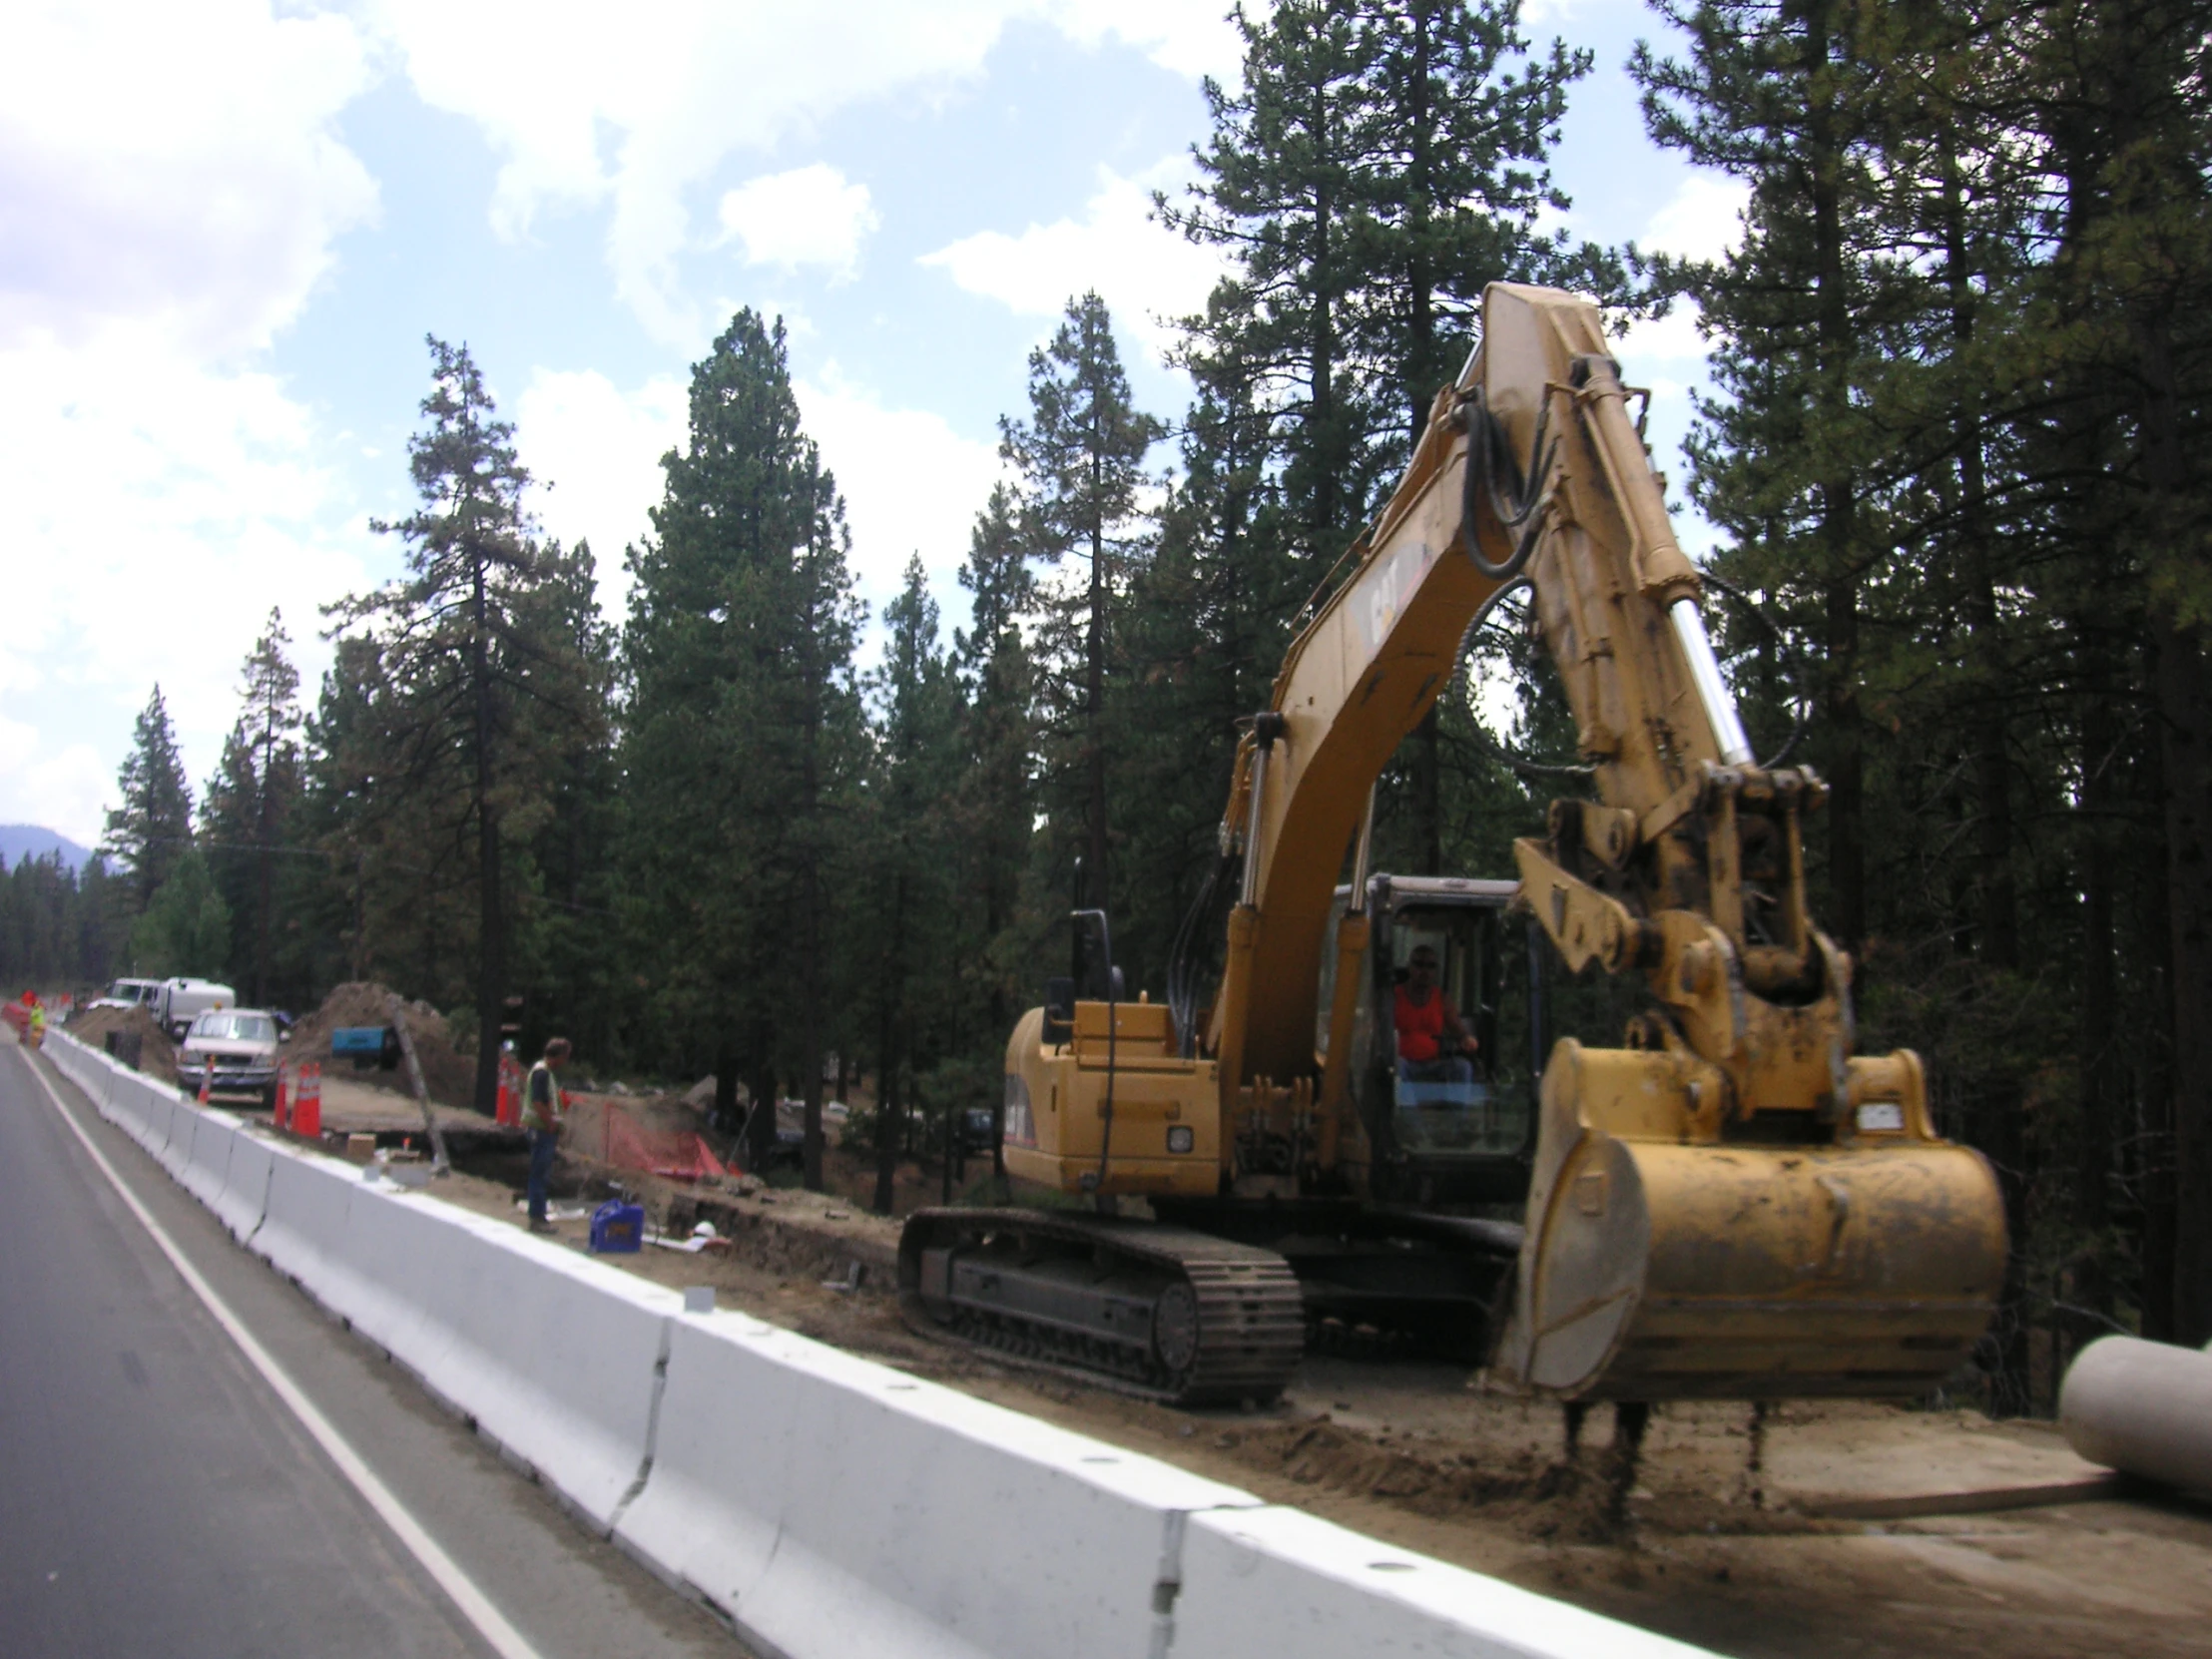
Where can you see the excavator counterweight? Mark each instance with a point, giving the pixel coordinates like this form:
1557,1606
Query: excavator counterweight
1731,1205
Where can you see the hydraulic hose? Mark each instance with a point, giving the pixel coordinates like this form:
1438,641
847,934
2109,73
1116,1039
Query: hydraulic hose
1492,476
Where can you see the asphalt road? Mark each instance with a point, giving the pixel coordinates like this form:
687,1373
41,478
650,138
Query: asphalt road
158,1497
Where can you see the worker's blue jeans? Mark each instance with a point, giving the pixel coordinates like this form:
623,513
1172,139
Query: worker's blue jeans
543,1144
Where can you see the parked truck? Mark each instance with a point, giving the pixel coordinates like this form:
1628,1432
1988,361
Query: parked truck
182,1001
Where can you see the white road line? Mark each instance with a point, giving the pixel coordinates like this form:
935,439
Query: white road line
475,1606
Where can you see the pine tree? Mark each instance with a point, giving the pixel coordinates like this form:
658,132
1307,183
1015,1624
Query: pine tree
998,735
1789,98
743,729
1383,162
187,928
457,649
246,814
917,718
152,830
1081,455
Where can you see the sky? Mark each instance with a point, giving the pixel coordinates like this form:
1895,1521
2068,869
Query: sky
227,226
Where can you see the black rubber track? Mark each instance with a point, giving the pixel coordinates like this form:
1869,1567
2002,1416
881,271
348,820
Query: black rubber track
1250,1316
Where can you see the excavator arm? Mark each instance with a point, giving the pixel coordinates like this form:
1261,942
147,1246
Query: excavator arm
1734,1205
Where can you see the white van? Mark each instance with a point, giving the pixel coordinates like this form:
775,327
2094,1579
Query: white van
184,1000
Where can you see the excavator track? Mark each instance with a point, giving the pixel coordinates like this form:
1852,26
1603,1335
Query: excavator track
1158,1311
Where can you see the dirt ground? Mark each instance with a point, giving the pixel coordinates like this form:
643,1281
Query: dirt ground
448,1075
156,1054
1746,1561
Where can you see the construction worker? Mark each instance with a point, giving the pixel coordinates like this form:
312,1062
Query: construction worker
542,1102
35,1031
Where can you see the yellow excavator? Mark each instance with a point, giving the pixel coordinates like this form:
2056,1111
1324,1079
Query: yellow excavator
1730,1205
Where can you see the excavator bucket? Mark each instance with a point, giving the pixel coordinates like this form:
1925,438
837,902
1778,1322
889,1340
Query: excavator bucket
1772,1259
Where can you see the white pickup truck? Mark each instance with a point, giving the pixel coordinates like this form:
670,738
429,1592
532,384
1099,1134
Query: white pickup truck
181,1001
129,994
235,1051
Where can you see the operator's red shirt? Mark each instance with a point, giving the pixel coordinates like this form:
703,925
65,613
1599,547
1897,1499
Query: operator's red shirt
1420,1025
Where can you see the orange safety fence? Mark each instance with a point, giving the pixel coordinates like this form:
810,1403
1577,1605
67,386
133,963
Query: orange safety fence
681,1154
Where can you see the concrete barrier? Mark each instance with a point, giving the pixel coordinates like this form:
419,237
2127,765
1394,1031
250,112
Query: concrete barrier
183,1128
828,1506
303,1227
557,1359
378,1275
1275,1583
214,1136
244,1200
157,1105
864,1511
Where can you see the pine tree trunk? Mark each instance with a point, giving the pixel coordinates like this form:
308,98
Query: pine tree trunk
2095,1049
1094,712
2182,688
811,929
2185,719
1847,858
491,976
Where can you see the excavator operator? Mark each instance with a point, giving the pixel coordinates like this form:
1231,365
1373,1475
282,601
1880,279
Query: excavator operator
1426,1018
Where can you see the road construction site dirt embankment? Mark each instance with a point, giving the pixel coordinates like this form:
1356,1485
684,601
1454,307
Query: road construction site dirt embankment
1756,1556
156,1054
448,1075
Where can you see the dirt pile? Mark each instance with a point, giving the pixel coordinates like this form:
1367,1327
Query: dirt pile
156,1054
449,1075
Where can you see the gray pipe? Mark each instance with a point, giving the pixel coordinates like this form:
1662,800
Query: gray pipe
2143,1407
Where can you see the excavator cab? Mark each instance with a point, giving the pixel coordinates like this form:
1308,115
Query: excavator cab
1459,1129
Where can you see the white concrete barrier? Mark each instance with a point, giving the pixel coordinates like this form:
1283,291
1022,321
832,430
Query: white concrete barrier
244,1198
157,1105
828,1506
183,1128
862,1511
555,1356
303,1218
1275,1583
214,1136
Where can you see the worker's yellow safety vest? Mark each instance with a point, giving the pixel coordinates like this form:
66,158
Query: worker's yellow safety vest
547,1116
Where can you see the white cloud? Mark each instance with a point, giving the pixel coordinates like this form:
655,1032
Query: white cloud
1704,220
1188,37
159,510
808,215
171,185
911,484
636,106
1144,271
1672,339
595,452
172,162
63,788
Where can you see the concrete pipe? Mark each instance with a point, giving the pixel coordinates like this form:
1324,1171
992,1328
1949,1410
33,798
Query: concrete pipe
2143,1407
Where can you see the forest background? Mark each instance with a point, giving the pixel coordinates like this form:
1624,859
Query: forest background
1961,387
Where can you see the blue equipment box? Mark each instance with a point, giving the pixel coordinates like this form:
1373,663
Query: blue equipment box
617,1227
359,1040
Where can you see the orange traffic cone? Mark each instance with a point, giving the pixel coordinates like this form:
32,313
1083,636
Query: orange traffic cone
206,1075
280,1113
306,1111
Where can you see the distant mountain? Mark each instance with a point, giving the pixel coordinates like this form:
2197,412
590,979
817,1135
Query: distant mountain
27,841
